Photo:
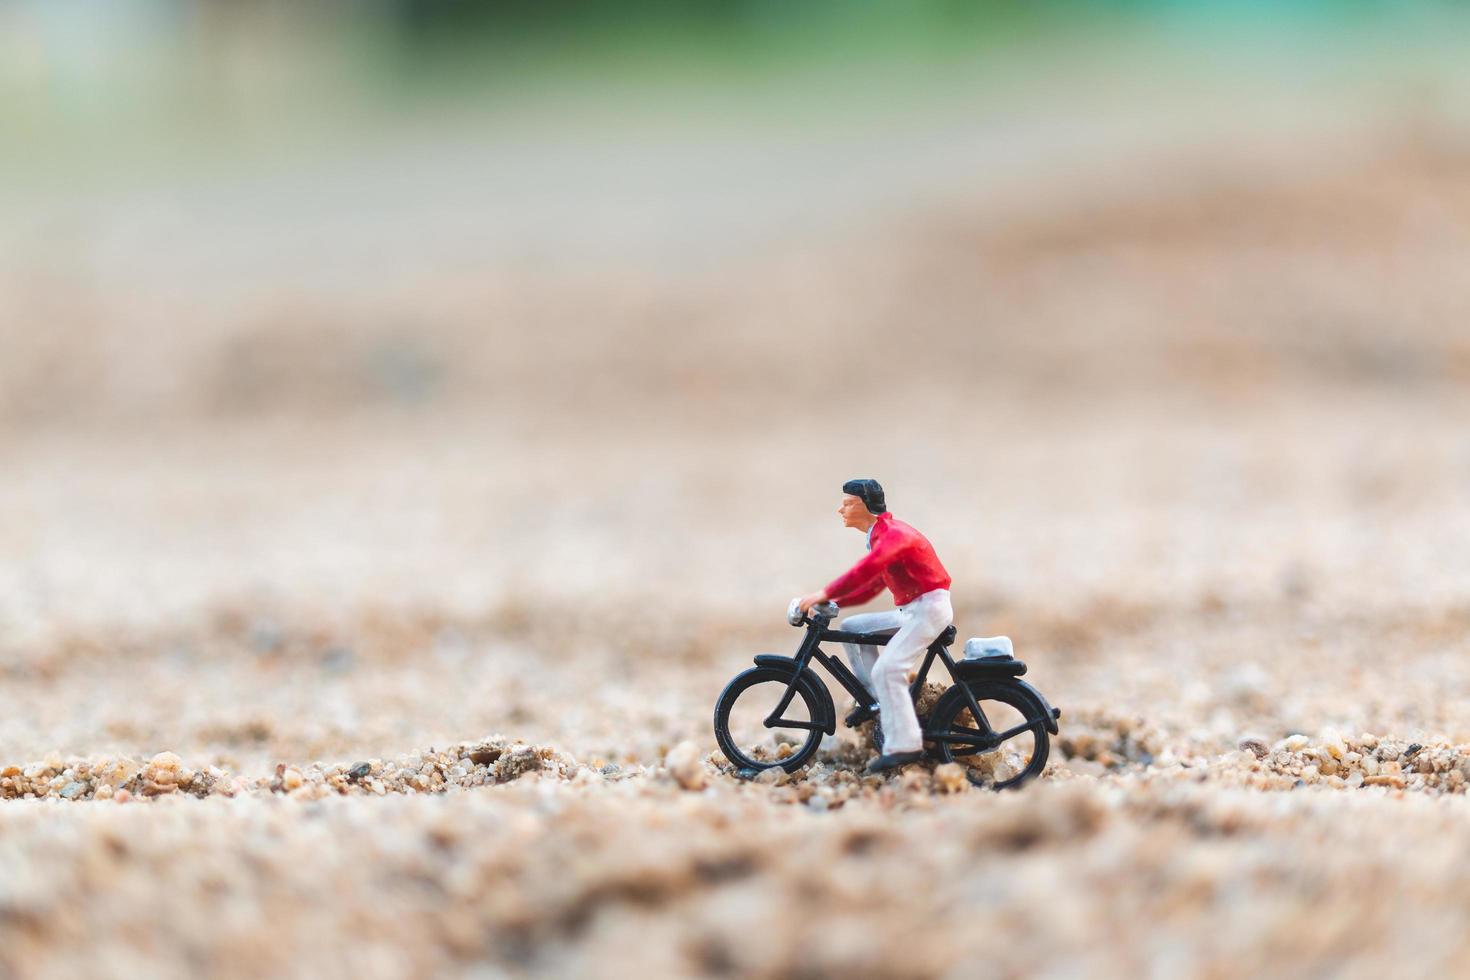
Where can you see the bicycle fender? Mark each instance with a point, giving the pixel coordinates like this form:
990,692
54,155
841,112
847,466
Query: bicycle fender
813,685
1048,712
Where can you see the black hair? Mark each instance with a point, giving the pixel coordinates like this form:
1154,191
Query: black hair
870,492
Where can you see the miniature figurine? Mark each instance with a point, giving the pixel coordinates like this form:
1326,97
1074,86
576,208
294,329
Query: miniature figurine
900,558
992,724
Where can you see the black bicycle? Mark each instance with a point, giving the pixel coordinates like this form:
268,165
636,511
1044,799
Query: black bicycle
991,722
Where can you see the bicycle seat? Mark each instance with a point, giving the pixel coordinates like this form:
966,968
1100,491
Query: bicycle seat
987,667
947,637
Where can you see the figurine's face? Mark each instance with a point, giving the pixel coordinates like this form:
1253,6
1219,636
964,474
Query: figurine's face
854,512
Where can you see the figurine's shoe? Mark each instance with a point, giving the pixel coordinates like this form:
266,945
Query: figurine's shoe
885,762
858,715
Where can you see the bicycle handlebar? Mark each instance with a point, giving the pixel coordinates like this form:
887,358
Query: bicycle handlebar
822,610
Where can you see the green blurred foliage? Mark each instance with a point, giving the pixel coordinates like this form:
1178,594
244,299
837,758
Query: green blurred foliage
124,77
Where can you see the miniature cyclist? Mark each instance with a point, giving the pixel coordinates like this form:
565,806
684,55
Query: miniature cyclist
902,559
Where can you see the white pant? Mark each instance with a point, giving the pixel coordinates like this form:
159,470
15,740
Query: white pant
886,674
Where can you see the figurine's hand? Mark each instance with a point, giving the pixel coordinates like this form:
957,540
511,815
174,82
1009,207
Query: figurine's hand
806,602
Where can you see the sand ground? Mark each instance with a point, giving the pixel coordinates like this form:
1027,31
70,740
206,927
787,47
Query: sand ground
1200,449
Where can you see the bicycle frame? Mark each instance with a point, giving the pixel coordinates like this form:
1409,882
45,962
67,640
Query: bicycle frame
811,649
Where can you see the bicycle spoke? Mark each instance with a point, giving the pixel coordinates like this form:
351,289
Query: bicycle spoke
959,747
1010,733
977,711
809,726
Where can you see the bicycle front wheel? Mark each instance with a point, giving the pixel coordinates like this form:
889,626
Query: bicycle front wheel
1004,747
743,710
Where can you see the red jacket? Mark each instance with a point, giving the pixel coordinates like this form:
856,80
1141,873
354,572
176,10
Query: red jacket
898,557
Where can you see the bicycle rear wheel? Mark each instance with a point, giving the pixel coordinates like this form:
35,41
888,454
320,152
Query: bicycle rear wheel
740,721
1003,748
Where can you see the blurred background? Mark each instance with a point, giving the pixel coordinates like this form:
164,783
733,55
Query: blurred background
570,305
379,374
